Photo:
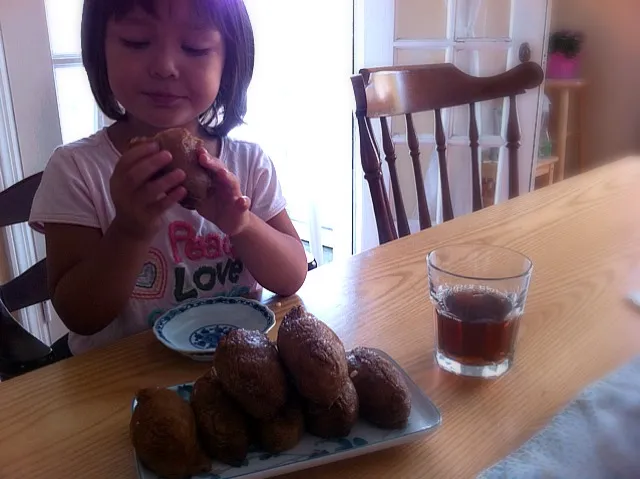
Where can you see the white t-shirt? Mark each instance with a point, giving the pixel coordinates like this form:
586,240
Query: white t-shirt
189,257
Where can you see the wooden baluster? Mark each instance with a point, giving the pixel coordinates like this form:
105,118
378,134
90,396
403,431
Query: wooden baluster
474,142
414,150
390,157
370,159
387,206
447,208
373,175
513,143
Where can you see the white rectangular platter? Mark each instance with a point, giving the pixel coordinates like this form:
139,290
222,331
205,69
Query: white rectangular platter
312,451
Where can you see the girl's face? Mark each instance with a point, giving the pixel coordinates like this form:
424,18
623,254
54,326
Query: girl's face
164,69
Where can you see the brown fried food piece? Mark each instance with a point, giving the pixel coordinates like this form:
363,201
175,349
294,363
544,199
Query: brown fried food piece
314,355
385,400
284,431
254,431
183,148
250,370
222,425
337,420
164,435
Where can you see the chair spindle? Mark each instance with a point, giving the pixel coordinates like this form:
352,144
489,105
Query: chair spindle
390,157
513,143
414,150
441,146
373,175
474,143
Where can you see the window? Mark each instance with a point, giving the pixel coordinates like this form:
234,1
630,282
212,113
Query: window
79,114
300,112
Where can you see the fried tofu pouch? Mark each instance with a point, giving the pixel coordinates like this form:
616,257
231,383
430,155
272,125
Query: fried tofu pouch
251,372
183,147
222,425
385,400
284,431
164,435
336,420
314,356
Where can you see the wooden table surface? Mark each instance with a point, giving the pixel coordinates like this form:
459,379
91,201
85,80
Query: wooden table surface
583,235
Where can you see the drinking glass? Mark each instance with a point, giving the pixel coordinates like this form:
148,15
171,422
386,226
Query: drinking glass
479,293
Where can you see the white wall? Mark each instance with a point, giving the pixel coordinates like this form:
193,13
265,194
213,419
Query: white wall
34,100
611,65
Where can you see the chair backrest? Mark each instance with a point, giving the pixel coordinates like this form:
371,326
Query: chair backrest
405,90
27,289
18,348
16,201
30,287
17,345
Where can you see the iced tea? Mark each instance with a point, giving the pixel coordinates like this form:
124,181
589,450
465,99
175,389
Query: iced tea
476,326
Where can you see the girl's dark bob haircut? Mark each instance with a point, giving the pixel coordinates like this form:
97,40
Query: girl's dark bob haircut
229,16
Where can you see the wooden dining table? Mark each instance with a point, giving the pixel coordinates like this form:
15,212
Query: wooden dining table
583,234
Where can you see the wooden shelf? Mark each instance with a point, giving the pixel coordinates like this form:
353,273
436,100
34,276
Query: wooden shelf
563,90
547,161
560,83
547,166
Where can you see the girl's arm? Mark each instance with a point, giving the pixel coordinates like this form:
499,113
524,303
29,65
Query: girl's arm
91,276
273,253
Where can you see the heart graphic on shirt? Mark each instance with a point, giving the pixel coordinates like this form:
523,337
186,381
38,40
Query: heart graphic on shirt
147,278
152,280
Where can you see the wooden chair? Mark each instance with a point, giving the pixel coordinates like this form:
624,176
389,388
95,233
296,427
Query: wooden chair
21,352
393,91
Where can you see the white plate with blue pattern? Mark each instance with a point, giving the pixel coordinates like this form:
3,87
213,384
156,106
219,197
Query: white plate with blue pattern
194,328
312,451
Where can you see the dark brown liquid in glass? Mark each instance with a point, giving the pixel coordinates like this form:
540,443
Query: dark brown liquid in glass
476,326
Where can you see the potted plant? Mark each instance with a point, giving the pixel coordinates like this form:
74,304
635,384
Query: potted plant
564,54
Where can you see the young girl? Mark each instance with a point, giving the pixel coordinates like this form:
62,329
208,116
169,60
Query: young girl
120,249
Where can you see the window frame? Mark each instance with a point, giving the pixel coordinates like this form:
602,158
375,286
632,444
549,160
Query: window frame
73,61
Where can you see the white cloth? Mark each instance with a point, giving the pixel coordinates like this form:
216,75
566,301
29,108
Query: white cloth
596,436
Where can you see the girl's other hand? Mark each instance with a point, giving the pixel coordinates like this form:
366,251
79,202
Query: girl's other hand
227,208
142,192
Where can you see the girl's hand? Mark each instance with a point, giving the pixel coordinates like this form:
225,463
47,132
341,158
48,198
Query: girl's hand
141,192
228,209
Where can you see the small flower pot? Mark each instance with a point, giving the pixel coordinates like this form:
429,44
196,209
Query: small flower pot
561,66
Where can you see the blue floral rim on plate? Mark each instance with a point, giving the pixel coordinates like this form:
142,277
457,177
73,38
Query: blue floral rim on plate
205,339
